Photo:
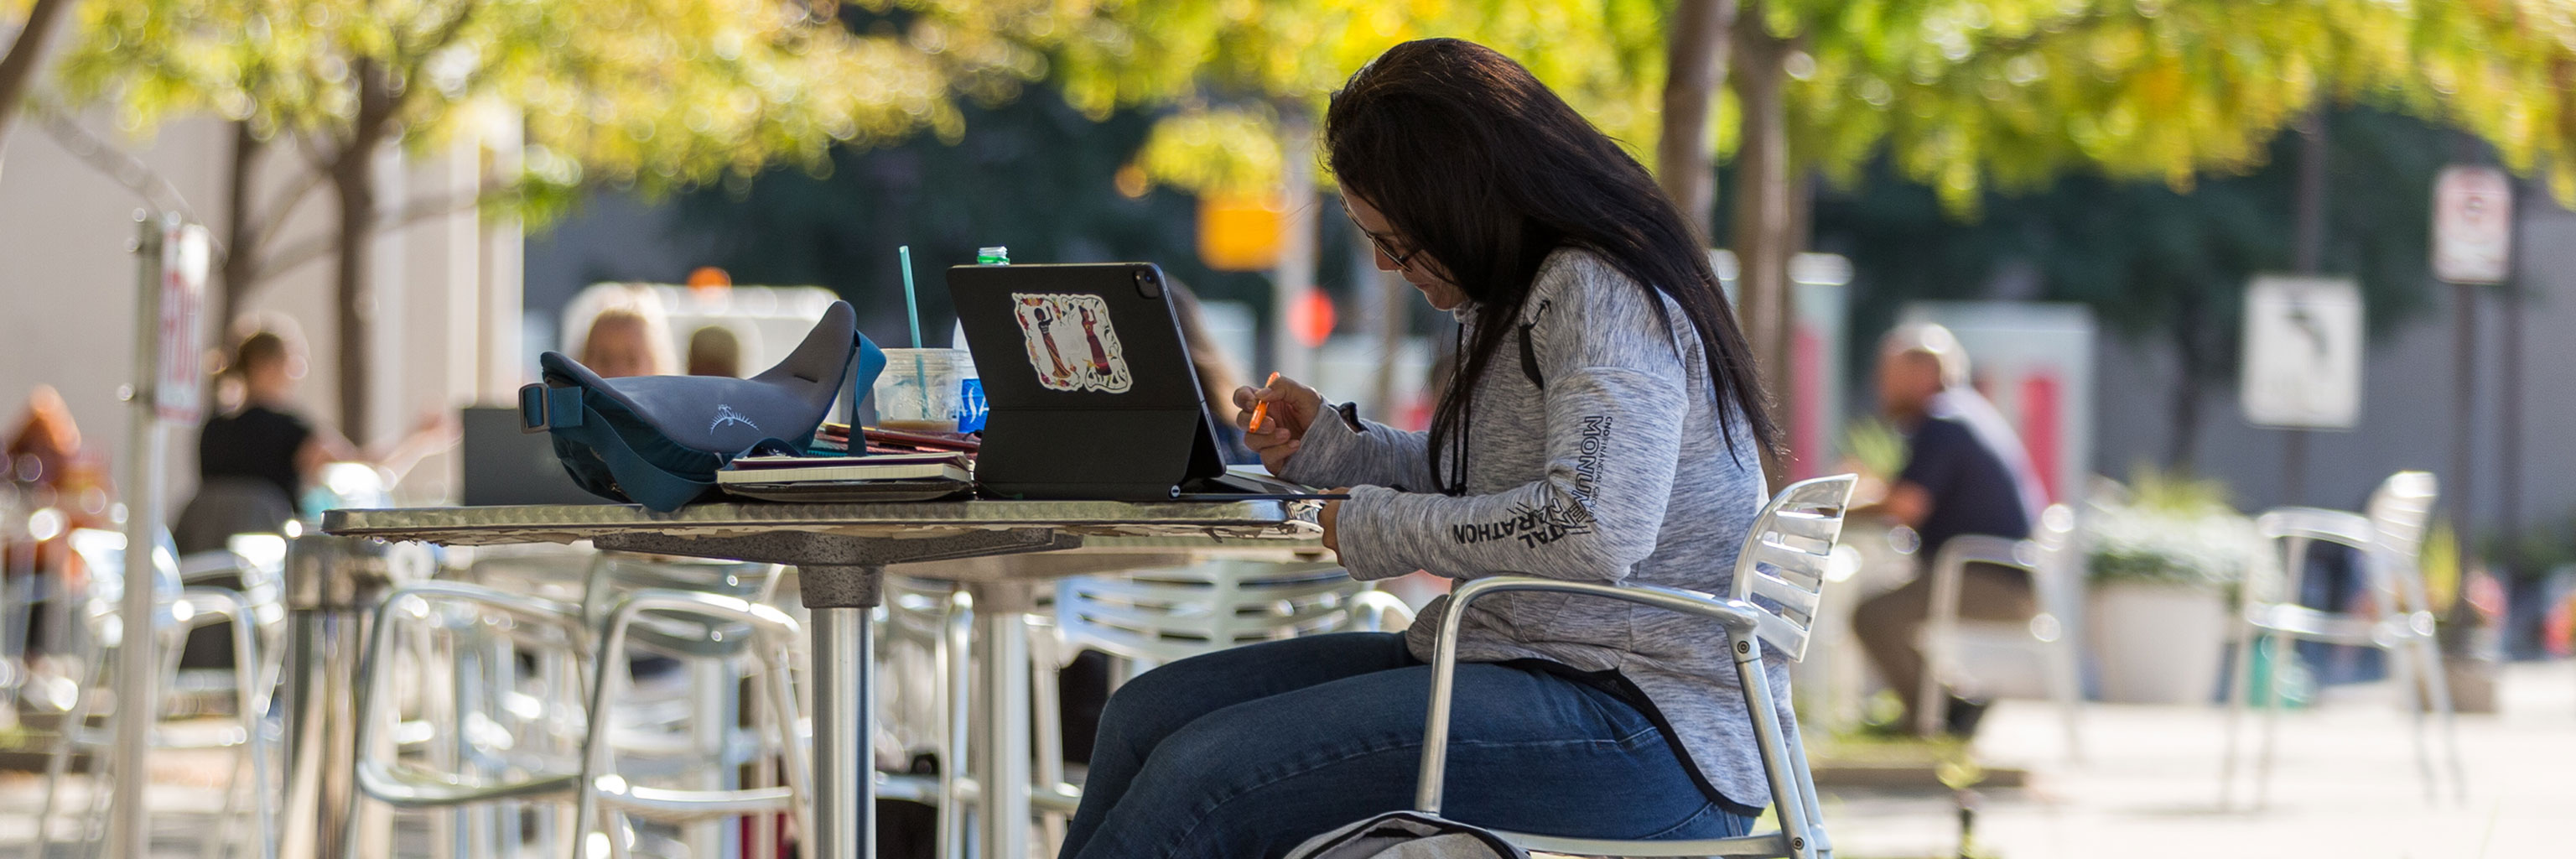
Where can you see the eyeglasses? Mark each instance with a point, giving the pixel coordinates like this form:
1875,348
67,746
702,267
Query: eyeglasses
1403,261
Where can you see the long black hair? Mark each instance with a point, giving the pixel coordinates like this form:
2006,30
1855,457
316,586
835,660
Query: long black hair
1486,171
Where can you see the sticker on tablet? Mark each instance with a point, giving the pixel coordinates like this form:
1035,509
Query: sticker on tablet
1070,342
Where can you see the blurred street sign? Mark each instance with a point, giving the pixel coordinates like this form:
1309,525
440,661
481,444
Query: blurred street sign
1241,232
2303,350
2472,225
179,387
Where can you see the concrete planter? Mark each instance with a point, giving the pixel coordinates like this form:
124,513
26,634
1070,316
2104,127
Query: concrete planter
2158,643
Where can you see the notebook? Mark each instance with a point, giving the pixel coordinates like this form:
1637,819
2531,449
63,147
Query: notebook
833,479
791,469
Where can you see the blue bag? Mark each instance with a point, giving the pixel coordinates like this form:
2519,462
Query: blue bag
658,440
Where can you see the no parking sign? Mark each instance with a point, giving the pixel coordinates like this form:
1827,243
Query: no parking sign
2472,225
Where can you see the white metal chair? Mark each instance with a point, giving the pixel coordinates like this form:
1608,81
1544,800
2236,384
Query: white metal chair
1151,617
2050,559
937,617
178,610
2390,537
509,746
1782,562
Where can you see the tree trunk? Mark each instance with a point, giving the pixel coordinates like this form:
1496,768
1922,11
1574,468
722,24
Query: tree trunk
353,181
241,237
1762,212
354,185
1694,65
18,67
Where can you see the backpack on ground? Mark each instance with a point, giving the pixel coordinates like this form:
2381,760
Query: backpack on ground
1407,835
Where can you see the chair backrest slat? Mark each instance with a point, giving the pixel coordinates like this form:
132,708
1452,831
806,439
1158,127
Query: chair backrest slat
1808,525
1781,566
2399,512
2400,509
1804,569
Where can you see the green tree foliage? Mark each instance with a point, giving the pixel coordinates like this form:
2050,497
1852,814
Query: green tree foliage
654,94
1250,61
1967,94
648,94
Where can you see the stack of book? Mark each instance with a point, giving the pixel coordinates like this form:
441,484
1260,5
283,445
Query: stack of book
841,479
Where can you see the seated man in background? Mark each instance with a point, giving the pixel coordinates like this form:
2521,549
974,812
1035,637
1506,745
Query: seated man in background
1965,473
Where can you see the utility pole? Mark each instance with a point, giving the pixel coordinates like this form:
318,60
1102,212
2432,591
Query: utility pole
2310,256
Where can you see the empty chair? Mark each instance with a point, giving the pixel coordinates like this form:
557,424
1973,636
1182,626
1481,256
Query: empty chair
177,610
571,740
1779,579
225,506
1151,617
936,617
2390,536
2051,561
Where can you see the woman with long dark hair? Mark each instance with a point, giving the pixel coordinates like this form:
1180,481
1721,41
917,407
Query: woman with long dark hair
1605,425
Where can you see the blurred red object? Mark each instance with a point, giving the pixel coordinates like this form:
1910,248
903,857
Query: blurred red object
1310,318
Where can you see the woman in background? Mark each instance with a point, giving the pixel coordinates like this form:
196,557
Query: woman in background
260,452
627,339
257,454
1217,375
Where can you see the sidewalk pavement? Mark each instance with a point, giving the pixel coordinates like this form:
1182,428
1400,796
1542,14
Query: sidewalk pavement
2344,785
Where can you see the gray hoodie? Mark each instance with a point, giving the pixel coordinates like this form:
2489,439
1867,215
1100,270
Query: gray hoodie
1610,469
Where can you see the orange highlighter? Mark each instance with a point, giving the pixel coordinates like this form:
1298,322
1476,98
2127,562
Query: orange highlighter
1261,409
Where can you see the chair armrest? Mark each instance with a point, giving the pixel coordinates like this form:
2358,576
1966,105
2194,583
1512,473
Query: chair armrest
197,567
2301,526
1960,551
2311,523
1739,617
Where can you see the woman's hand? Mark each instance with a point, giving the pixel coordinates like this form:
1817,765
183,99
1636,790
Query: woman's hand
1293,408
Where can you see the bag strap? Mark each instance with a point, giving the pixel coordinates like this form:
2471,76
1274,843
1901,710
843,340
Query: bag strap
567,413
1529,353
643,482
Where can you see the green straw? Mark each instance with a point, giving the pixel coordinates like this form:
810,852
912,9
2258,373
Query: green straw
911,305
912,314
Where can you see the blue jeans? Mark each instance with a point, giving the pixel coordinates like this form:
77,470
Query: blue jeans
1246,752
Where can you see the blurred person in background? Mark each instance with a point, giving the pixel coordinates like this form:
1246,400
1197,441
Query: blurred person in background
1217,375
258,453
47,441
55,484
1965,473
715,351
629,337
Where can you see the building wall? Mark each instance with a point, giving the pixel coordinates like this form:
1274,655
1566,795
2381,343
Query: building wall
67,282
